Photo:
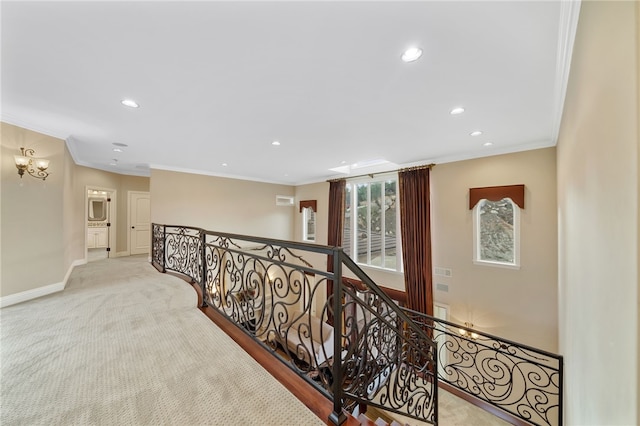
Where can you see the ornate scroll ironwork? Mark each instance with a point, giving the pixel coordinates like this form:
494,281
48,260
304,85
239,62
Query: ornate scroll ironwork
271,290
378,353
518,379
183,251
388,364
157,246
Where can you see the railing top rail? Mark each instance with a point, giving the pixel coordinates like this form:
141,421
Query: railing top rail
316,248
487,335
302,268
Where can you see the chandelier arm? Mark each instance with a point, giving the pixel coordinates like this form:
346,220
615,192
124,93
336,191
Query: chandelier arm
36,172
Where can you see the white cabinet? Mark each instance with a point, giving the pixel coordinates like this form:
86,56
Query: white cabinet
97,237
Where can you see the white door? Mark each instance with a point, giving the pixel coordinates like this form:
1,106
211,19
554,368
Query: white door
139,222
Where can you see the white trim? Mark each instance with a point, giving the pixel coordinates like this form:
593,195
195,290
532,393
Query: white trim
34,293
71,147
216,174
368,181
113,214
496,264
123,254
516,238
73,150
568,26
29,126
307,214
129,194
466,155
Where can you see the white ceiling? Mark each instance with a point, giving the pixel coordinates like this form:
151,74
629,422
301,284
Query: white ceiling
217,82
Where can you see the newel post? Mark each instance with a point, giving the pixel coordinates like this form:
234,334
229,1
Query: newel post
164,248
337,417
203,272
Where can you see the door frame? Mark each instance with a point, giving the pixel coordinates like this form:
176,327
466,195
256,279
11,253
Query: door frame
112,218
129,193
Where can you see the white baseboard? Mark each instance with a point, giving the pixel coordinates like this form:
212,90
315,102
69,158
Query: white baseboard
122,254
34,293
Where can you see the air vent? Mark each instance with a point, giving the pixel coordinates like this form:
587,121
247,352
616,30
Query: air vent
284,200
443,272
442,287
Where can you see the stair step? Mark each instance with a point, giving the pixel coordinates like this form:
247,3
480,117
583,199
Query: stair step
366,421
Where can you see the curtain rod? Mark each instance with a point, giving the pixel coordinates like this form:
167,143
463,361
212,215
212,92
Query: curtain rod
371,175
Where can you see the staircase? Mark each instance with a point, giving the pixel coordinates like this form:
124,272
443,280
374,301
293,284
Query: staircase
366,421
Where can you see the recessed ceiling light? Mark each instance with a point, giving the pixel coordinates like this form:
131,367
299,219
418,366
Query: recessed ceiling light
117,150
411,54
476,133
224,164
119,144
456,111
275,143
114,162
130,103
487,144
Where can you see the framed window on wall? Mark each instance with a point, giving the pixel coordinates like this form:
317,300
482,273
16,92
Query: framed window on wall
308,209
496,225
371,234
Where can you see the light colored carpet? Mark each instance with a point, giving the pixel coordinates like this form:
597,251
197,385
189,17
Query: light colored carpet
125,345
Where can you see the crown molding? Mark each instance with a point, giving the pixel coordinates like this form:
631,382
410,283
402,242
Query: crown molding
6,118
220,175
568,26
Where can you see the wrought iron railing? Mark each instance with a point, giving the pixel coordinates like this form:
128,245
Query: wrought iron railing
518,379
387,355
354,345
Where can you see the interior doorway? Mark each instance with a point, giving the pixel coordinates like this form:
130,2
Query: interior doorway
139,222
99,222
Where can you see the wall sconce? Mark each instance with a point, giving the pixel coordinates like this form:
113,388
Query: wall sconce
467,332
26,162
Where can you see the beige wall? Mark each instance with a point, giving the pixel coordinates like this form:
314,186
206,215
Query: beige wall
73,233
220,204
517,304
43,224
88,177
33,254
598,219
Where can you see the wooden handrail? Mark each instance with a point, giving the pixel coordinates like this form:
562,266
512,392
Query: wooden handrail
397,295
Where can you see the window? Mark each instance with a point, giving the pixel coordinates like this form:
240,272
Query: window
371,229
496,232
309,224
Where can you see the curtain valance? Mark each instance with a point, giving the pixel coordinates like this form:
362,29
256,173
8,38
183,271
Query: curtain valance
497,193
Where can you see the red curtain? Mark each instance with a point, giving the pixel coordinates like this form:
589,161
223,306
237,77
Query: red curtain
415,218
336,222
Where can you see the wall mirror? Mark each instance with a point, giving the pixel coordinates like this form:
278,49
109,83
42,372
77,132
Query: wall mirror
97,209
